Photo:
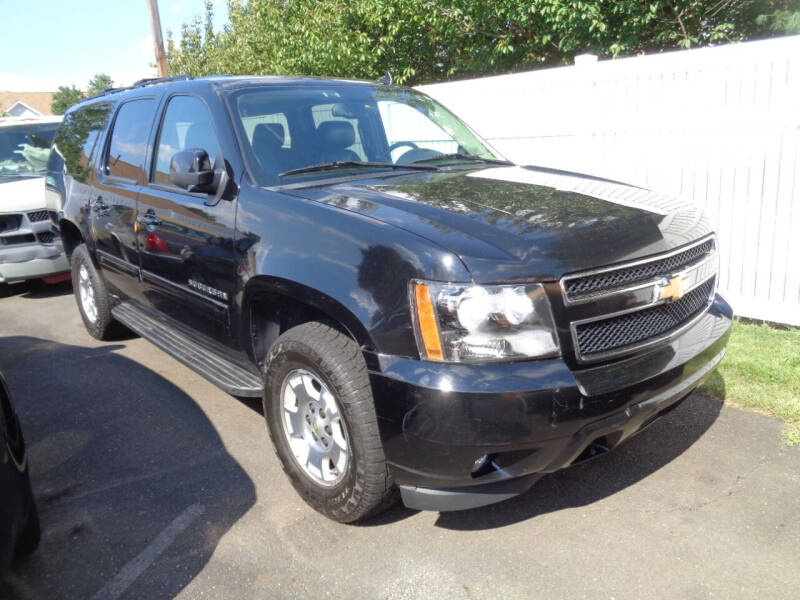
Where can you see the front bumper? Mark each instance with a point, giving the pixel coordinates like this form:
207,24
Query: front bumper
18,263
530,418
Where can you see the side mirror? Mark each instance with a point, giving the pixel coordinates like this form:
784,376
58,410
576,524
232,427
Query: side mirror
191,169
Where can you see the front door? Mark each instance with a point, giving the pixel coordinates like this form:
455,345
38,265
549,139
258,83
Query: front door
186,240
112,204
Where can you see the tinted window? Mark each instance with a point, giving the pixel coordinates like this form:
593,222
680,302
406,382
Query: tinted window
128,146
278,118
187,124
324,112
77,135
335,123
405,124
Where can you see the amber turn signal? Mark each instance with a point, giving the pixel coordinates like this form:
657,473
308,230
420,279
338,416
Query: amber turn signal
426,319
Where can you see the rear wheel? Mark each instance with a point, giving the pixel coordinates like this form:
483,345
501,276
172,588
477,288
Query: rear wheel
94,302
321,419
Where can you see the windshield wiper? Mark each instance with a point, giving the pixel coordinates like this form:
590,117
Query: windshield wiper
346,164
459,155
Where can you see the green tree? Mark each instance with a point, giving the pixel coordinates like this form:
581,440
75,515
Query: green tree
64,98
99,83
432,40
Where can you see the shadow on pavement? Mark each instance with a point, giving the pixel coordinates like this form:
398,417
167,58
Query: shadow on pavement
123,464
588,482
37,289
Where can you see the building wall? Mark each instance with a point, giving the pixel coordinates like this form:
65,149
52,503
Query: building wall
720,126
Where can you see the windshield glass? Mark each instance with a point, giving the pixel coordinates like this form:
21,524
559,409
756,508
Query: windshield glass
291,127
24,148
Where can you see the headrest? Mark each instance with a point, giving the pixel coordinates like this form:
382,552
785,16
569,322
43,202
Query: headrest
268,134
336,134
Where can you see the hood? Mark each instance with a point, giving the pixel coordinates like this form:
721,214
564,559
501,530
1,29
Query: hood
509,223
22,194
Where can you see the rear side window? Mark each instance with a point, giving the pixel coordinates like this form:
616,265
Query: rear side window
128,146
76,137
187,124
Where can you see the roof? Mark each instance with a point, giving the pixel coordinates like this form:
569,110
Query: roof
225,82
229,81
38,101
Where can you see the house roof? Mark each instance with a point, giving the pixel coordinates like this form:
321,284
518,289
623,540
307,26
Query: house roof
39,101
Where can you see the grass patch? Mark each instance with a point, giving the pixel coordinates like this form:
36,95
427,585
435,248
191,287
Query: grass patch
761,372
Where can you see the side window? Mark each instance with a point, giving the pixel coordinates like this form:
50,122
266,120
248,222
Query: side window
187,124
324,112
76,137
128,146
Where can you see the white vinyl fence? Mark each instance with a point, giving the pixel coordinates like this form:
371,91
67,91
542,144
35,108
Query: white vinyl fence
720,126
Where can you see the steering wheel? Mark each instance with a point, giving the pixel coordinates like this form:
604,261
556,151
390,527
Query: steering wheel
393,147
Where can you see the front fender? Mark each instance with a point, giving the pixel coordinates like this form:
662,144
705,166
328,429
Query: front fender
353,267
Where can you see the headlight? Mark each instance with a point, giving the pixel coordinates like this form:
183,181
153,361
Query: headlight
471,323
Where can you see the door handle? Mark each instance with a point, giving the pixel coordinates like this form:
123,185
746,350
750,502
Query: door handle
148,219
98,205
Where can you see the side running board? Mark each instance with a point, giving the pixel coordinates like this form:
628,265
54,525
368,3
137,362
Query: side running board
212,365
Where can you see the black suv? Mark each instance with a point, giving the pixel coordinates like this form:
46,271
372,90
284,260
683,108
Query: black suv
419,314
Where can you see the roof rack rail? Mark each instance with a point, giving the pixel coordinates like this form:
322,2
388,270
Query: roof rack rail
110,90
155,80
141,83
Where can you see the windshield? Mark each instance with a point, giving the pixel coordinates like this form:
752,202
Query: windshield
289,128
24,149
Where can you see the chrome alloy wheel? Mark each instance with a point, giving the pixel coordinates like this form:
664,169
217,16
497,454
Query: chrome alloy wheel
314,428
86,290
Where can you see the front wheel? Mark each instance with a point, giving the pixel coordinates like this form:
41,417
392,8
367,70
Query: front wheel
321,419
94,302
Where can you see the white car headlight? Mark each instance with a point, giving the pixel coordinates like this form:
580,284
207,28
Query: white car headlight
472,323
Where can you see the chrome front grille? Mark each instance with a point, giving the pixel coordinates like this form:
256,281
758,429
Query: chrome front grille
656,298
579,287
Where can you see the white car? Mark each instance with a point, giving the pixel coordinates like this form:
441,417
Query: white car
30,245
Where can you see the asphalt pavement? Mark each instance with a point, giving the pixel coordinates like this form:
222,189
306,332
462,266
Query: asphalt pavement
152,483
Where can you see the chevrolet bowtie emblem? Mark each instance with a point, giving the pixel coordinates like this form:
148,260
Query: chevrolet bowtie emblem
671,288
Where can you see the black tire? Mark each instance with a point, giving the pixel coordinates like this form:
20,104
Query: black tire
103,326
366,487
30,535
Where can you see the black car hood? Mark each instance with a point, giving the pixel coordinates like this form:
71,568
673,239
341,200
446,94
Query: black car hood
509,223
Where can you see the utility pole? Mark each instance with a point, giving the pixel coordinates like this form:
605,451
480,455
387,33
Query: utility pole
158,41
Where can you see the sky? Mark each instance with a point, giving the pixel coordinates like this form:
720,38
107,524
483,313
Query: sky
48,43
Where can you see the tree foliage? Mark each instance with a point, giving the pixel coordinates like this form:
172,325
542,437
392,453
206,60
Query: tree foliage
432,40
64,98
98,84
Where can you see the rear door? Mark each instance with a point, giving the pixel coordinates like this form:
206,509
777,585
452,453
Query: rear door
186,240
112,206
